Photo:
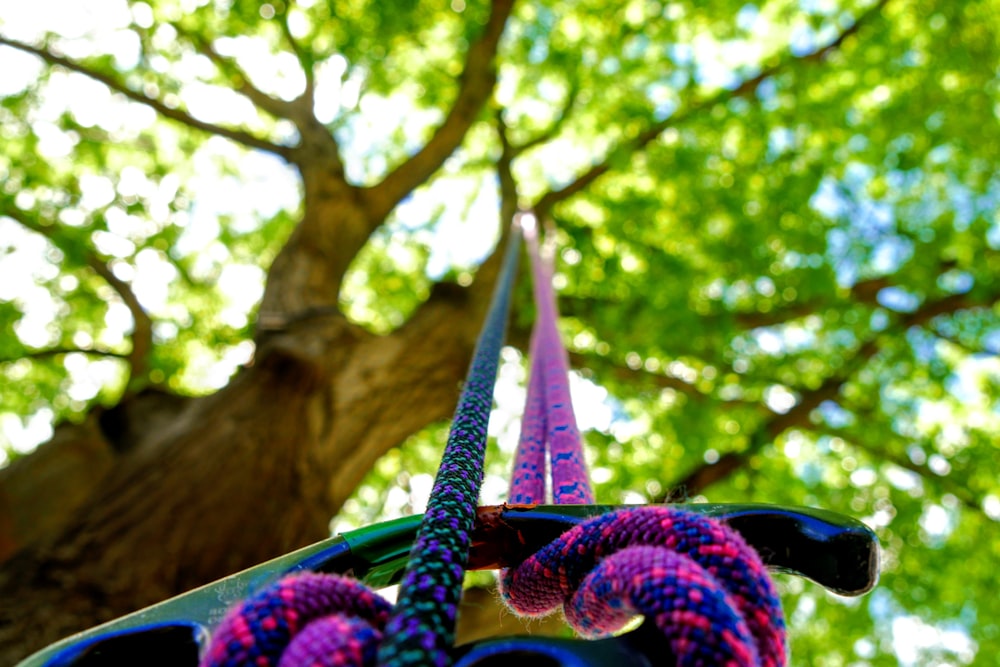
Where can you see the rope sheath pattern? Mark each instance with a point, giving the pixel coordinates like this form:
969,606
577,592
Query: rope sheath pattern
549,424
705,589
270,629
694,578
422,627
303,620
528,480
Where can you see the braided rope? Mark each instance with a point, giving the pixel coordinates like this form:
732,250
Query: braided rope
549,424
303,620
695,578
316,620
528,480
421,629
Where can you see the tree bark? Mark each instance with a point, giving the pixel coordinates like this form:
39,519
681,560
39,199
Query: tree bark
159,494
238,477
162,499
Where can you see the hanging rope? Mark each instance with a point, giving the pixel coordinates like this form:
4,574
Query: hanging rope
549,424
693,577
319,620
422,628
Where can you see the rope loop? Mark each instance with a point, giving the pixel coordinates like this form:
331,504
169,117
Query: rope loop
303,620
693,577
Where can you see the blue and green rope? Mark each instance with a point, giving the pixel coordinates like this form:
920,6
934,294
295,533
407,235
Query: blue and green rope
421,629
693,578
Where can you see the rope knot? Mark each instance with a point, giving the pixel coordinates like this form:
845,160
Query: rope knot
693,577
303,620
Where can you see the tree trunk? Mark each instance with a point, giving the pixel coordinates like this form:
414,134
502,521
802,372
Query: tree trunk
166,494
238,477
165,498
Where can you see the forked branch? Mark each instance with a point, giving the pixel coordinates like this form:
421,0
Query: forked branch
142,333
49,352
475,87
229,67
883,454
158,105
305,62
545,203
798,417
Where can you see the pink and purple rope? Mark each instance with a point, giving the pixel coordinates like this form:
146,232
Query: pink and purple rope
303,620
694,578
548,427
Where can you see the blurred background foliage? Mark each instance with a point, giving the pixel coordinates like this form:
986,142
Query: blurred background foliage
777,232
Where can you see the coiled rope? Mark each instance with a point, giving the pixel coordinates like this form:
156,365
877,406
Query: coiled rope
694,578
303,620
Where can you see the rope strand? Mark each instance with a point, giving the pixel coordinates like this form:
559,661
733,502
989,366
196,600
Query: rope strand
303,620
528,481
422,627
549,424
692,577
695,578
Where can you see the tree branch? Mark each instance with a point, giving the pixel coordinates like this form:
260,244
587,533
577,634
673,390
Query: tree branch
487,273
865,291
478,292
545,203
229,67
649,378
944,483
961,345
309,94
475,87
59,351
505,174
553,130
519,336
239,136
709,473
142,327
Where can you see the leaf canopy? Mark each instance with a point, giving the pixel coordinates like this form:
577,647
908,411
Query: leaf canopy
777,228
